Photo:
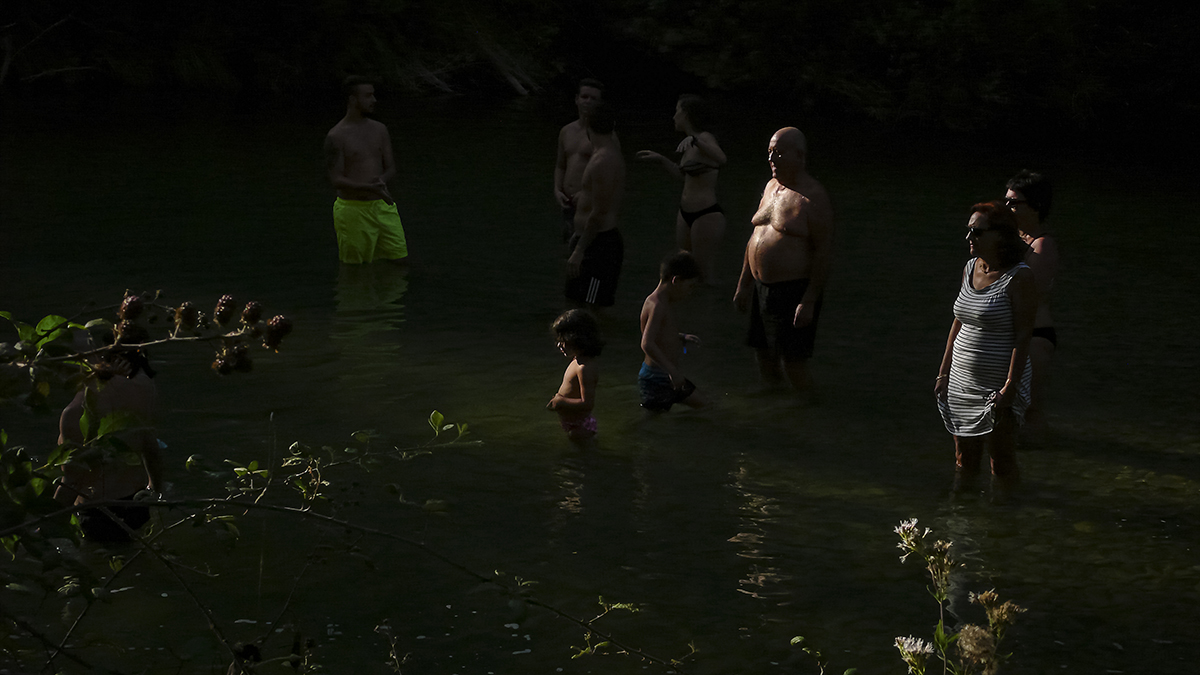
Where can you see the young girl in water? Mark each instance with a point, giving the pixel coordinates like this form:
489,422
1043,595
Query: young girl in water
578,337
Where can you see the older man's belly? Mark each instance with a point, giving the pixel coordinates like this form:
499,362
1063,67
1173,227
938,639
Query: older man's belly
776,257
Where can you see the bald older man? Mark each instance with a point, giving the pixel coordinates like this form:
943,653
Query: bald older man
786,264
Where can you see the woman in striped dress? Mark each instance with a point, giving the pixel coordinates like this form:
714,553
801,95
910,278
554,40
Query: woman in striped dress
983,384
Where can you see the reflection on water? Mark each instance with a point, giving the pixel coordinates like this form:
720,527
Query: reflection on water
366,319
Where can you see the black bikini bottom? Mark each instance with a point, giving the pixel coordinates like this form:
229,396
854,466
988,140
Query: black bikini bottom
690,217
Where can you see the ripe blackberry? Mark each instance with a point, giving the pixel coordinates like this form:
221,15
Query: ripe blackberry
252,312
131,307
226,307
277,328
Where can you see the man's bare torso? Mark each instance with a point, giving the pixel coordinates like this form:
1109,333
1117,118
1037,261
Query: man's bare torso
362,146
780,248
602,186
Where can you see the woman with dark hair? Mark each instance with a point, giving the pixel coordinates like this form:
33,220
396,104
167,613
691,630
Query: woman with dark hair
700,222
983,384
1029,195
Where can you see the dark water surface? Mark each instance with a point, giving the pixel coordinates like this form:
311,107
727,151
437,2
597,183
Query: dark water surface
734,529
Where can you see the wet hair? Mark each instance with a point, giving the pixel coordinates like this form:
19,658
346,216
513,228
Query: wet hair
591,82
1035,188
602,120
697,110
351,83
580,331
1000,219
679,264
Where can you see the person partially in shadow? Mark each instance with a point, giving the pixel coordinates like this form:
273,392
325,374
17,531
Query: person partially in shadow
123,386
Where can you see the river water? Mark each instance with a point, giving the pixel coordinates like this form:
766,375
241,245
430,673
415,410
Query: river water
733,529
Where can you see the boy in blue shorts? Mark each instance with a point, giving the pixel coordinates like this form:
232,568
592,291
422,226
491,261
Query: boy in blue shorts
661,383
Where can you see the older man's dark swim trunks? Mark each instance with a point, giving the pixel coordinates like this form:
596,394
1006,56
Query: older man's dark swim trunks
656,392
597,280
773,316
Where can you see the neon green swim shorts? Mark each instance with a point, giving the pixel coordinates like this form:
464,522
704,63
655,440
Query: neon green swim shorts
368,230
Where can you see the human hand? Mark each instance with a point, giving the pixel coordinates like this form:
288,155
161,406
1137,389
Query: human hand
741,299
688,337
575,264
1003,398
564,201
380,188
941,386
649,156
686,144
553,404
804,315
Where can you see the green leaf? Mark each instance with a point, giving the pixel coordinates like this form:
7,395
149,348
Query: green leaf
114,422
850,671
94,323
797,640
89,413
435,420
363,435
25,332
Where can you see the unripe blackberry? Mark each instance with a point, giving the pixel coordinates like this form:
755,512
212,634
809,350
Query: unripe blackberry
187,316
131,307
226,307
252,312
277,328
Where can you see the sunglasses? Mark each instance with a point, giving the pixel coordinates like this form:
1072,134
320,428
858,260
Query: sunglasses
975,232
1012,202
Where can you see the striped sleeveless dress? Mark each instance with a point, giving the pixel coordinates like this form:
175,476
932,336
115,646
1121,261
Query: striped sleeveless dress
981,354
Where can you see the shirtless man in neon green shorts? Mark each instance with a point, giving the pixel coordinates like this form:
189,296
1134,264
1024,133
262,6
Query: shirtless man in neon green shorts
358,157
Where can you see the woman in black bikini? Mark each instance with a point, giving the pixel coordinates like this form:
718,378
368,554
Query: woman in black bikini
700,222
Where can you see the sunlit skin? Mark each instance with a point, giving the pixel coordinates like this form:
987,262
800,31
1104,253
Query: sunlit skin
1022,292
1043,260
599,198
699,192
576,397
792,239
358,151
662,343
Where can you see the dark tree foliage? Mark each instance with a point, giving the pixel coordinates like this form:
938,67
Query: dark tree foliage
940,63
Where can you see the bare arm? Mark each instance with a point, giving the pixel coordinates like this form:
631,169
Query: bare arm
602,185
707,144
942,383
560,171
745,284
652,349
667,165
589,376
1022,292
1044,263
820,237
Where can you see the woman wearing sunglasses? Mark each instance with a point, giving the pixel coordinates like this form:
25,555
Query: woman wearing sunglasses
983,384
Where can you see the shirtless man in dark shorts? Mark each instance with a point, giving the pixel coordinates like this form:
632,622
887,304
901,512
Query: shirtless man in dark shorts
359,162
786,264
574,151
597,249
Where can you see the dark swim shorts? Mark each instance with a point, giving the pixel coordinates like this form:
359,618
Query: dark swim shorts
597,280
657,394
98,527
773,316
